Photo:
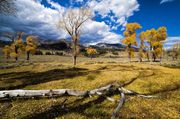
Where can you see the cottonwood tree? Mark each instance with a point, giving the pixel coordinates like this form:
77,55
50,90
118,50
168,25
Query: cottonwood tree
175,51
30,46
17,47
142,47
72,21
130,38
91,51
6,51
155,38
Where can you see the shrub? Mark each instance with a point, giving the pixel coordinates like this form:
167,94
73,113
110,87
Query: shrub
115,53
59,53
38,52
48,53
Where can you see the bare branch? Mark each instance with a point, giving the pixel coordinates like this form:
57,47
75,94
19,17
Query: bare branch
73,19
121,102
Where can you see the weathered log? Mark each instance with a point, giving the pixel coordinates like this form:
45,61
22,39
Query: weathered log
69,92
51,93
130,92
121,102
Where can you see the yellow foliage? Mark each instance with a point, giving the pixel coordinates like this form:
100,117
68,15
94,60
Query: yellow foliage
132,27
126,33
130,37
7,50
142,36
91,51
14,55
162,33
131,52
30,44
155,38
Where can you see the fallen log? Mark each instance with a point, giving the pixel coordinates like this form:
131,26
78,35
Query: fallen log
52,93
121,102
102,91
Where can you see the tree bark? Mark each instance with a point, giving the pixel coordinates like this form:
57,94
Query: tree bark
74,51
28,54
91,57
129,52
154,57
51,93
8,94
67,92
74,60
16,51
148,56
121,102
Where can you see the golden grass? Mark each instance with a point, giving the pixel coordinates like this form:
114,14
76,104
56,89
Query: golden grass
144,78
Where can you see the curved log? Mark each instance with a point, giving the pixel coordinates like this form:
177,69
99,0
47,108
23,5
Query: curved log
68,92
121,102
52,93
102,91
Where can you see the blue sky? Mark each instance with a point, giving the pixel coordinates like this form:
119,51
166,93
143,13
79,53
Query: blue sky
39,17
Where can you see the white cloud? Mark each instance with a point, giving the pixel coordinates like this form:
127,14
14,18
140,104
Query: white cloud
165,1
34,18
99,32
56,6
170,41
122,9
79,0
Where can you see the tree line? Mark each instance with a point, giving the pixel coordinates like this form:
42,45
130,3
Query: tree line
151,41
72,21
18,47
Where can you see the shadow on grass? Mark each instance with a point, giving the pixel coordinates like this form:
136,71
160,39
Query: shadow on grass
17,80
165,90
57,111
174,66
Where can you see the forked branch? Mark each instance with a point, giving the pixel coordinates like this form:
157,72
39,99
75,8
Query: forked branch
102,91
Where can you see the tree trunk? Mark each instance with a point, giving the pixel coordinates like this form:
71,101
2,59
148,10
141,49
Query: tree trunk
9,94
28,54
140,59
74,51
6,94
141,51
7,57
121,102
140,55
74,60
154,57
160,58
148,56
16,51
129,52
154,54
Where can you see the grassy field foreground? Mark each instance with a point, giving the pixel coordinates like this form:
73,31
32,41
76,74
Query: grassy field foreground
145,78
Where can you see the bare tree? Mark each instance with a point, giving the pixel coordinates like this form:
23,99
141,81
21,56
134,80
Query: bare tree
7,6
72,21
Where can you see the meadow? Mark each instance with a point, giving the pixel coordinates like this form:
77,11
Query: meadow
57,72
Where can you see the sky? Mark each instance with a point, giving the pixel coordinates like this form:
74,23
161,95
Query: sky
40,17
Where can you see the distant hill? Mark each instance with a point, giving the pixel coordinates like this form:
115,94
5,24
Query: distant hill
54,45
3,43
109,46
45,44
62,44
